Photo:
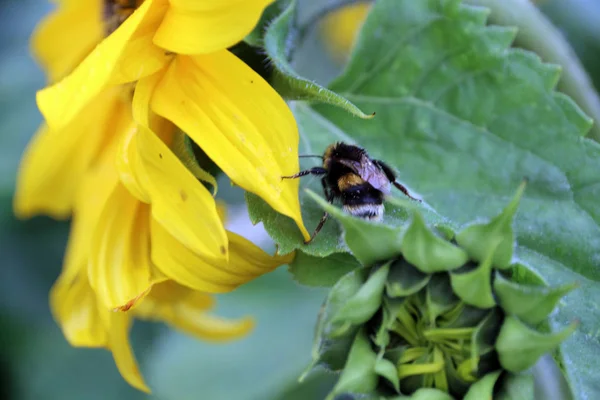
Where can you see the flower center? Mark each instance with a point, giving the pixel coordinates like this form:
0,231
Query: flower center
117,11
434,347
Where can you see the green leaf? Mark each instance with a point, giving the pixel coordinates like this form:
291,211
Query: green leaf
428,252
359,374
531,304
519,347
318,271
369,241
278,42
483,388
365,303
475,287
495,236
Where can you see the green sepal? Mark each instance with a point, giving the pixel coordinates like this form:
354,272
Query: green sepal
328,349
519,347
386,369
182,148
439,297
365,303
278,42
370,242
404,279
483,388
359,374
484,337
497,236
475,287
429,252
321,271
532,304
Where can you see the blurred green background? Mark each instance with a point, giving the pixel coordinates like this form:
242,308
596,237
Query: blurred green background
35,360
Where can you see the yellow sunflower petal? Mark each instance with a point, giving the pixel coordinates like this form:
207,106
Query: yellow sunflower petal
188,268
181,204
198,27
185,309
239,121
128,165
73,304
56,161
67,35
247,258
125,56
122,352
94,191
119,265
246,262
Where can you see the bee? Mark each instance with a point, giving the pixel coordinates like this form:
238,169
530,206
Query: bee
351,175
117,11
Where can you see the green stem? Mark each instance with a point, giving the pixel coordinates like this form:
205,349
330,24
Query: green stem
538,34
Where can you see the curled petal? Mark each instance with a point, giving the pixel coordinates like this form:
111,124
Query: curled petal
119,264
239,121
181,204
246,262
125,56
185,309
122,353
56,161
75,23
199,27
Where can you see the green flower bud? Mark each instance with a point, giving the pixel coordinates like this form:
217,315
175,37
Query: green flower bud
431,317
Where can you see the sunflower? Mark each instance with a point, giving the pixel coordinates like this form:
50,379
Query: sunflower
147,236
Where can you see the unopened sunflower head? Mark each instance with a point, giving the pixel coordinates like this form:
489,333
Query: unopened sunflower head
444,312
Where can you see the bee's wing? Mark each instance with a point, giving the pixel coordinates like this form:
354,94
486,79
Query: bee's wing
369,172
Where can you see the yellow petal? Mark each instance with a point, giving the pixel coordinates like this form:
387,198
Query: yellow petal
73,304
92,195
122,352
197,27
125,56
129,167
239,121
181,204
119,265
248,259
56,161
188,268
246,262
185,310
67,35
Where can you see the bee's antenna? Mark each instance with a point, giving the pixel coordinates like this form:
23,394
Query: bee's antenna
307,156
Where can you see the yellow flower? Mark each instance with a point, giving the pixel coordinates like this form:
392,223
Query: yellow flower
147,236
341,27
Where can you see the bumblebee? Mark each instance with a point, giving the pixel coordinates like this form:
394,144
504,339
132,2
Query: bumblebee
117,11
361,183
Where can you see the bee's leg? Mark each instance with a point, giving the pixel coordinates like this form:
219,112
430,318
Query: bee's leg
392,178
312,171
329,197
